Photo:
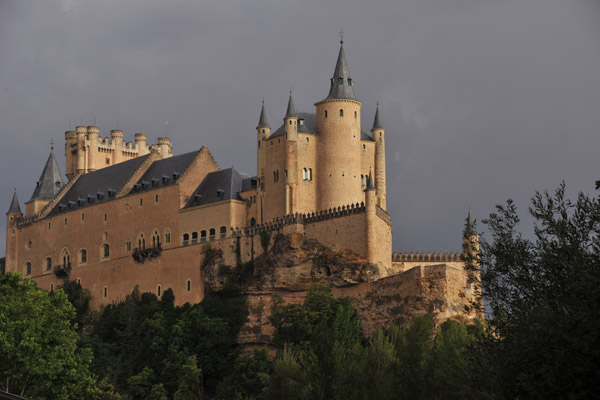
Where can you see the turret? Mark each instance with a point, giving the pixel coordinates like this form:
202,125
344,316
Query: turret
378,132
140,144
290,122
12,233
339,151
371,215
116,135
80,133
70,154
165,147
93,157
263,131
470,240
47,187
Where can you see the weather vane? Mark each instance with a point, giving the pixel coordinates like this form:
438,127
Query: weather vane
342,36
52,144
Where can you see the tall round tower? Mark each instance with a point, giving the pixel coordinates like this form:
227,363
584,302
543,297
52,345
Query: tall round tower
338,126
93,132
378,132
291,157
263,131
70,154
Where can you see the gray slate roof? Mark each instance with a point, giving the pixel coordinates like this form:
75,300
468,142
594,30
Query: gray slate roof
342,86
291,109
310,126
50,182
377,122
217,186
98,186
249,183
164,172
263,122
14,208
469,226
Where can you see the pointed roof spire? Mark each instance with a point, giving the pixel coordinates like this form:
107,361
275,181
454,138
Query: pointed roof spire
14,208
377,122
469,226
370,182
341,83
50,181
291,110
262,122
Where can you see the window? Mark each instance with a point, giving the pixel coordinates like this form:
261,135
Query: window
158,291
27,268
49,226
47,264
66,258
105,292
304,174
142,241
341,80
189,285
79,281
141,202
310,174
52,287
105,250
82,217
341,113
12,218
307,140
271,143
349,81
156,198
355,114
259,143
194,237
212,234
279,140
66,221
83,256
253,222
105,217
364,146
325,113
275,176
29,244
286,173
128,246
223,232
186,239
167,236
202,236
263,131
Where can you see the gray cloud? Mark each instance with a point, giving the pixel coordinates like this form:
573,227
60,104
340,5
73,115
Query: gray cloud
483,100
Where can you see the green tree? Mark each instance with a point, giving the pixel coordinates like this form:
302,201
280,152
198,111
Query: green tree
80,299
190,381
38,344
544,298
249,377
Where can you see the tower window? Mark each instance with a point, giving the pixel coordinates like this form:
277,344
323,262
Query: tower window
349,81
49,226
355,114
105,217
307,140
259,144
156,198
141,202
364,146
189,285
271,143
82,217
304,173
341,80
158,290
310,174
341,113
325,113
66,221
286,173
52,287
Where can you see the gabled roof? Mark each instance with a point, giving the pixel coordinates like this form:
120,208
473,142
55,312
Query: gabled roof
14,208
98,186
164,172
341,83
307,123
50,182
217,186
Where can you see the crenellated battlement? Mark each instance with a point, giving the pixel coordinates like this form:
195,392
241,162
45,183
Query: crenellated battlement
426,257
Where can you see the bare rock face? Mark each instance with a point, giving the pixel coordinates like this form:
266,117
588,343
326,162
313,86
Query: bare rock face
293,264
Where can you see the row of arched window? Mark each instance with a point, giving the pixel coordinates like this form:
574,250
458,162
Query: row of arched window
342,113
154,242
65,259
212,235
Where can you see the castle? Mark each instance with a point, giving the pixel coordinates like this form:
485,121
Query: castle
135,214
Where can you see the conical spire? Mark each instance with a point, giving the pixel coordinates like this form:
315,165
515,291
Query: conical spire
370,182
14,208
341,83
50,181
469,226
291,110
377,121
262,122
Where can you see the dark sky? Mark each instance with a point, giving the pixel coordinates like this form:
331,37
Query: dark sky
483,100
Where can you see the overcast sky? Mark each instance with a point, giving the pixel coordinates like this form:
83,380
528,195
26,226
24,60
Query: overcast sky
483,100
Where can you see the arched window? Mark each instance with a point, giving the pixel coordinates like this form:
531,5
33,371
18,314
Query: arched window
167,236
66,258
223,232
105,250
155,239
194,237
27,268
211,233
186,239
341,112
141,241
82,256
253,222
48,264
310,174
52,287
202,236
304,173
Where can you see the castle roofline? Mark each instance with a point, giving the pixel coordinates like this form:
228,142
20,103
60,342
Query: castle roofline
50,182
14,208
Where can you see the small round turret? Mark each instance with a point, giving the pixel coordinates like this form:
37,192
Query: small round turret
165,146
92,134
80,132
117,139
70,159
140,144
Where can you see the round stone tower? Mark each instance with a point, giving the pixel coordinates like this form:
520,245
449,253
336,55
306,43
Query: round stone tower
93,133
263,131
339,152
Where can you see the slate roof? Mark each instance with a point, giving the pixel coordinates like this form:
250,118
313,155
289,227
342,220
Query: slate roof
98,186
291,109
50,182
164,172
14,208
377,122
262,121
217,186
310,126
249,183
341,84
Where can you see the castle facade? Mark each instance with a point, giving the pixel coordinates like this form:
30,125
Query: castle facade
135,214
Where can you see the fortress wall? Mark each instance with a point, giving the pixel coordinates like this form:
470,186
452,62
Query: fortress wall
381,231
274,199
348,232
307,158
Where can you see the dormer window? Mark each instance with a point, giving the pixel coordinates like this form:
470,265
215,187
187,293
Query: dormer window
57,183
165,179
349,81
111,192
341,80
220,193
301,121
